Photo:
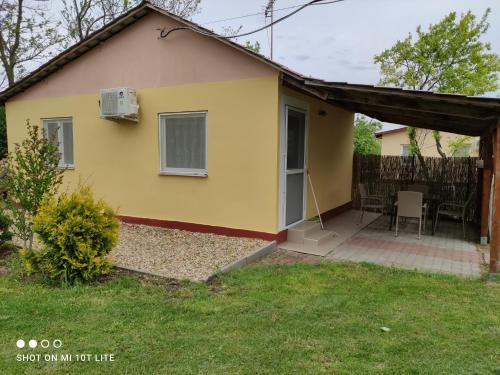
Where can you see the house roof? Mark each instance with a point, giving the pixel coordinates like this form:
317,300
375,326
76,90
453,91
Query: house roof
390,131
446,112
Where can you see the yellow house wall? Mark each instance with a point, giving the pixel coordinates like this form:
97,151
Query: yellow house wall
121,160
391,143
329,153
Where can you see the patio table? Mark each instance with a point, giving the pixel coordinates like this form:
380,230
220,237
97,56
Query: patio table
432,204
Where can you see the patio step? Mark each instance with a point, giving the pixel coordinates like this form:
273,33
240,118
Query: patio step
343,227
298,232
309,234
318,238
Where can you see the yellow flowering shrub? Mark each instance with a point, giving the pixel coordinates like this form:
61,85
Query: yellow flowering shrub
77,233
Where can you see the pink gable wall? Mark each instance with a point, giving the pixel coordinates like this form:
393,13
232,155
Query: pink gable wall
137,58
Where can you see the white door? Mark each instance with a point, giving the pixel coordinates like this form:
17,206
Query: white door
295,165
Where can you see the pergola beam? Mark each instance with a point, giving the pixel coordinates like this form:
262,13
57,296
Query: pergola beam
472,116
424,106
414,97
453,125
448,122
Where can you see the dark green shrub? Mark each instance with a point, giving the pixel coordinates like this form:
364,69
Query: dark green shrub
3,133
5,233
78,233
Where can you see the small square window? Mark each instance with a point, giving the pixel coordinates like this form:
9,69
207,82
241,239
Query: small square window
406,150
60,132
462,151
183,144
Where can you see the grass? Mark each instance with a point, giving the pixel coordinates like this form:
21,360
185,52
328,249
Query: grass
276,320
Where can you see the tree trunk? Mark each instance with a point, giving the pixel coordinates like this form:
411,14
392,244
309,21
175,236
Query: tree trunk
9,72
412,136
437,137
31,240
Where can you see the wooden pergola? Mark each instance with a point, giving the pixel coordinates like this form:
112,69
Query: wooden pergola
474,116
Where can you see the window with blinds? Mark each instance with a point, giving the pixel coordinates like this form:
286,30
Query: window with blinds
60,132
183,143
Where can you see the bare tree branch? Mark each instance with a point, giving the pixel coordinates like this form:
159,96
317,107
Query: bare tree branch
82,17
27,35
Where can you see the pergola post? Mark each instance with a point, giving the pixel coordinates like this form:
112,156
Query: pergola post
495,227
486,153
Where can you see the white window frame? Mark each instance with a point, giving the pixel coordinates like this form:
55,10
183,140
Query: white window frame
468,151
403,145
60,138
171,171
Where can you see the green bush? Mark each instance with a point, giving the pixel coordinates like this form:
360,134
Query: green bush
77,233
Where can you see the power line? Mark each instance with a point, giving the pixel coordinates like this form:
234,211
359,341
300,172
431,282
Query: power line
164,34
283,18
263,12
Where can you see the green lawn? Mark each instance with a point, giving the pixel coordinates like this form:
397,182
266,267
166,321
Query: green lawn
276,320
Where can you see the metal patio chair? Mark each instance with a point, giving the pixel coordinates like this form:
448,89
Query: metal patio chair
454,210
369,201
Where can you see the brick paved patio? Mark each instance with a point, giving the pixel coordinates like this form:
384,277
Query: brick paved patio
447,251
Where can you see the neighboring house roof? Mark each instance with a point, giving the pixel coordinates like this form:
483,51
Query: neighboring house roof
390,131
452,113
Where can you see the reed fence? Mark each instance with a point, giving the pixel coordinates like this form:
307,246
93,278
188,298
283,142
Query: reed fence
449,179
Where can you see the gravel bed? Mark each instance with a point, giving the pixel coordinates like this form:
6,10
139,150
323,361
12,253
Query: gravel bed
178,254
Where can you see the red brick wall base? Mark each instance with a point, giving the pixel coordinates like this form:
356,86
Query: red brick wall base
203,228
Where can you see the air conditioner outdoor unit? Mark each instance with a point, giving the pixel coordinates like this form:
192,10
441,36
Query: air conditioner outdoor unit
119,104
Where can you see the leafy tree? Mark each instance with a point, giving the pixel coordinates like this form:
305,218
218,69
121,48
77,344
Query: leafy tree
458,145
231,32
27,36
448,57
365,141
417,139
182,8
32,172
255,47
82,17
